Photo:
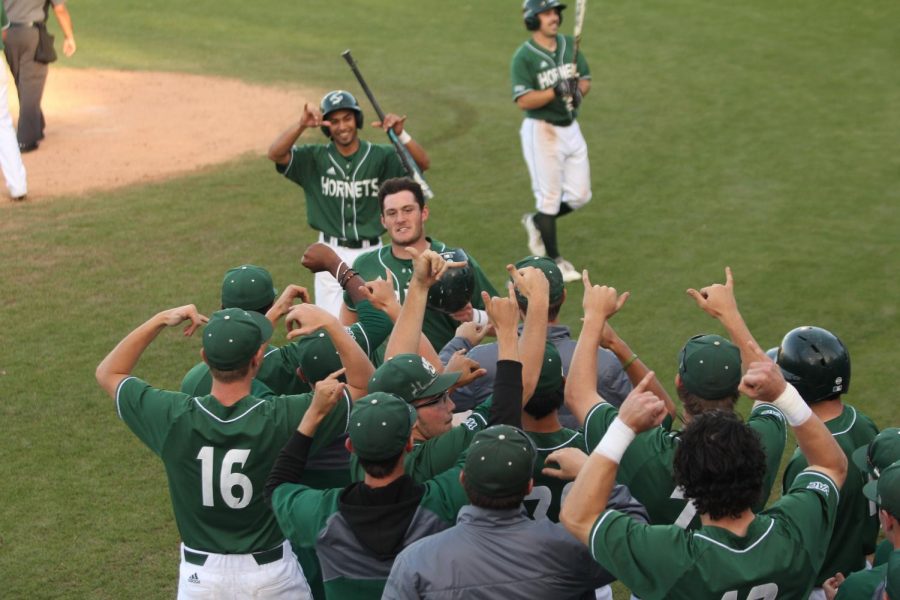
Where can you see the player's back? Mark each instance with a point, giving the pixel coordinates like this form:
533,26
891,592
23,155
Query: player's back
548,493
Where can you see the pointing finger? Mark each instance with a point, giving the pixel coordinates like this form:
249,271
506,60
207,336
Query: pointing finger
729,279
586,279
645,382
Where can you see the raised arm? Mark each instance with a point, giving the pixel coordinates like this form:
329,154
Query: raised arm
533,285
310,318
764,382
119,363
718,301
634,367
285,301
504,316
599,303
590,493
65,23
280,150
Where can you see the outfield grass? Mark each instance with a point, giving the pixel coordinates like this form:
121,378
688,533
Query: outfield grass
760,136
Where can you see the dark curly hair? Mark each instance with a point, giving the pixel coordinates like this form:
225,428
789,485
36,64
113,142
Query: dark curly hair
720,463
400,184
542,404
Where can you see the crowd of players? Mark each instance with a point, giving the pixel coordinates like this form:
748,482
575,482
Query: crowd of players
387,450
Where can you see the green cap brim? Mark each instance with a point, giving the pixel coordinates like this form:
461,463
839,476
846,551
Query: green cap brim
265,325
870,491
441,384
860,458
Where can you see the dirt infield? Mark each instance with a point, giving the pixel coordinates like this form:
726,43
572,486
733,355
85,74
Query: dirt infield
108,129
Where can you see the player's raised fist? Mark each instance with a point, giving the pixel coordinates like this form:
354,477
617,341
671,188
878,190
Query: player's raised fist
763,381
642,409
319,257
600,300
303,319
717,300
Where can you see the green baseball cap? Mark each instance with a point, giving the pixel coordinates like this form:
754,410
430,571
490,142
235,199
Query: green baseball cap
411,377
317,356
710,366
551,271
248,287
233,336
885,491
551,378
880,453
500,461
380,425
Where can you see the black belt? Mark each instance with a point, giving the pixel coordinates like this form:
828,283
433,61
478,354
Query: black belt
562,123
262,558
355,244
25,24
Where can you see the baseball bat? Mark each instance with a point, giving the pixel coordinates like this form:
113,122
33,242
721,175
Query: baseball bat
580,6
405,157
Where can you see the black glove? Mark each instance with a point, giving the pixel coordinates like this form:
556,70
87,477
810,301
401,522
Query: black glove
577,96
563,88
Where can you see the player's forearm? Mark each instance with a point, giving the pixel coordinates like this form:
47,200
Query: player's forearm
280,150
408,328
120,362
740,336
589,496
419,155
584,85
507,343
359,368
581,384
535,99
636,370
532,344
506,408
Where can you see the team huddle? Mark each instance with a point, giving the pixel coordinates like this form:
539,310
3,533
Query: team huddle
386,450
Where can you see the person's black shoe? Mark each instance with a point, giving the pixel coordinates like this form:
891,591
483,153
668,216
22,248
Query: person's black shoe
23,148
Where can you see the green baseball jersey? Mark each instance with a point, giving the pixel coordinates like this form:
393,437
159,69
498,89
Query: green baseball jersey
862,584
883,553
217,458
278,373
342,191
777,558
438,327
646,466
321,519
434,456
535,68
548,493
857,522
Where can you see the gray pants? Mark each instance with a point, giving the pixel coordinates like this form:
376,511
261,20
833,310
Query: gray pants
30,77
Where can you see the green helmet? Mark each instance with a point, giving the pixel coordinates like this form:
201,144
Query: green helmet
340,100
454,289
532,8
815,362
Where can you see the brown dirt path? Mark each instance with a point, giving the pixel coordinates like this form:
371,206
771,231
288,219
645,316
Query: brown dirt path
108,129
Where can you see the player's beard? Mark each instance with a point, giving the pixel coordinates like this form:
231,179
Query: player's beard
414,232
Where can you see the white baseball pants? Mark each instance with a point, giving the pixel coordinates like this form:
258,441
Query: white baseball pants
557,160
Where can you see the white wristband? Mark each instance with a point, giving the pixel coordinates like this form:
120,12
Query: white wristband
404,137
479,317
615,441
792,405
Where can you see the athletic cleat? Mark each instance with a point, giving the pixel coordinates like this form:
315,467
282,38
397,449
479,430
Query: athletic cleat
535,242
569,274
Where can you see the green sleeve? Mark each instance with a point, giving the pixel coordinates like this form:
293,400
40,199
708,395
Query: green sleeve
197,381
303,512
883,552
444,495
279,371
149,412
768,422
861,584
480,415
522,77
392,165
482,284
584,72
301,167
809,507
438,454
622,546
372,328
597,422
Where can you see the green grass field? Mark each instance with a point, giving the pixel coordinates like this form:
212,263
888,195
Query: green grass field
761,136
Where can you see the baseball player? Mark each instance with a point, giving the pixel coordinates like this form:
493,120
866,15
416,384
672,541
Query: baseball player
817,363
720,465
217,451
549,83
403,214
10,157
341,179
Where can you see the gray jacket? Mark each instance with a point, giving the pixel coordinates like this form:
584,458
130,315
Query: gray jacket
612,382
492,554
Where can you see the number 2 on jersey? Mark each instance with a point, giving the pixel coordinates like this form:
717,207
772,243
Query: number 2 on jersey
228,479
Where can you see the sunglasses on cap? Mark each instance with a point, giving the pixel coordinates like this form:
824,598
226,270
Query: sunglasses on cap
433,400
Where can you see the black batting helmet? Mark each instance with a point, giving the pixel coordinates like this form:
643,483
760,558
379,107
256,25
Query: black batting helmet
532,8
815,362
454,289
